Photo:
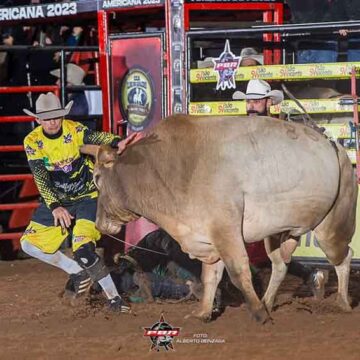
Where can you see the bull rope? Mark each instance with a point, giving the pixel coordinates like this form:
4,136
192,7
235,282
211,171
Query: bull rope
308,120
138,247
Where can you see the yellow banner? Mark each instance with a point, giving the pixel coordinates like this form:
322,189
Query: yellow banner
281,72
337,131
342,131
312,106
218,108
308,246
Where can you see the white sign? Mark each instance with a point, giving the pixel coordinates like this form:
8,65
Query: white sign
38,12
107,4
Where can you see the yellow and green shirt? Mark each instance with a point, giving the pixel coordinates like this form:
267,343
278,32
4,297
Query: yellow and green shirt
61,173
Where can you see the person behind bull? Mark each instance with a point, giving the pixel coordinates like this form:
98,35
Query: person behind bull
64,178
259,98
74,77
250,57
314,49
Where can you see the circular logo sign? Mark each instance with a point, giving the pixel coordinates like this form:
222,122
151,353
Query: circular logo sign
136,98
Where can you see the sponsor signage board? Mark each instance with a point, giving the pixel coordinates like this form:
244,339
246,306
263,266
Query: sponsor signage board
281,72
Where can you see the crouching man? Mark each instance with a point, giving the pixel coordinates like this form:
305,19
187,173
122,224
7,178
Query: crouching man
64,178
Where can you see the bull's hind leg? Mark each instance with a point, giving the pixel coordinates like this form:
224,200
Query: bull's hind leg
278,271
343,274
210,276
335,231
339,254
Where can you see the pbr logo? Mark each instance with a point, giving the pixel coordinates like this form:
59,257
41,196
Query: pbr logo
161,335
137,99
225,66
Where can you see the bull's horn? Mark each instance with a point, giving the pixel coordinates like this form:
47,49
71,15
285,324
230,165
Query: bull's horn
89,149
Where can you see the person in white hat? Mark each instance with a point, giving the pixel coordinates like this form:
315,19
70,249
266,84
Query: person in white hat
65,181
259,97
250,57
74,77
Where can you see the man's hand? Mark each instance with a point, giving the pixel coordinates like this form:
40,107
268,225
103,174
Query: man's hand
134,137
62,217
343,32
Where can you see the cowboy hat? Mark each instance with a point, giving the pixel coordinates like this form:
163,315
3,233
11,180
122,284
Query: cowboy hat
259,89
251,53
74,74
48,107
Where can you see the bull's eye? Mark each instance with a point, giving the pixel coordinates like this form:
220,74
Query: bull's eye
97,180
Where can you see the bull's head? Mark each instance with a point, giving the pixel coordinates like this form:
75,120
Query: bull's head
111,212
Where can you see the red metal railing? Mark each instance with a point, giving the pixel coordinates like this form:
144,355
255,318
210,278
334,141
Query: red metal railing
24,89
11,236
17,148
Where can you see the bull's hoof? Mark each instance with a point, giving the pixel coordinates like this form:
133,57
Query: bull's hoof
200,315
261,315
317,284
268,304
343,304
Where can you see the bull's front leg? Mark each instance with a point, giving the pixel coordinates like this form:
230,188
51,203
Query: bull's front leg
210,276
231,248
239,270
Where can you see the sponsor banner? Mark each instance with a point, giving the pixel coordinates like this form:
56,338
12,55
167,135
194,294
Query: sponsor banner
218,108
308,246
281,72
137,81
161,335
71,8
312,106
137,95
337,131
344,133
225,66
112,4
44,11
352,155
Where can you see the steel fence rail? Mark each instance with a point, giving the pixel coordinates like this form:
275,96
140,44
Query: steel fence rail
288,28
49,48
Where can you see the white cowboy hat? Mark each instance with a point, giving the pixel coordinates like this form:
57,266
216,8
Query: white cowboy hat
74,74
251,53
259,89
48,107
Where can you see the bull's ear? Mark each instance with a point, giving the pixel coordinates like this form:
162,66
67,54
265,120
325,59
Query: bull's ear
106,156
88,149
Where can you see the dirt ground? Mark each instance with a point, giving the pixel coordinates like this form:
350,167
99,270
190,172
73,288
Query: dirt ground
35,323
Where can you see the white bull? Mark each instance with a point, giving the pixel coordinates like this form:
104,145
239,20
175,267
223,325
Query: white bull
214,183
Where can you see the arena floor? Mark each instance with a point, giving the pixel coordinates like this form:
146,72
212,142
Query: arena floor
35,323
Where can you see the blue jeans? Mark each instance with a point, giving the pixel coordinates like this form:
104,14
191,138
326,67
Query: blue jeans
325,52
353,53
